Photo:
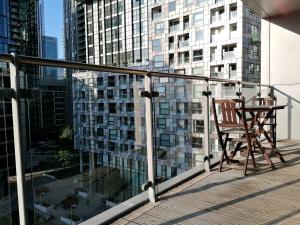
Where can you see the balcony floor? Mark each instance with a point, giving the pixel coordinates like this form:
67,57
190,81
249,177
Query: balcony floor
263,197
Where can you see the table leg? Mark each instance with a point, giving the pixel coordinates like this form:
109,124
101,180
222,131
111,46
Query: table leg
273,146
266,156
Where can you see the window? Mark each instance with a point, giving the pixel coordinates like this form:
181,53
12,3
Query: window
196,108
196,142
130,135
129,107
179,91
199,35
101,107
113,134
100,145
159,28
186,22
99,81
165,140
182,108
111,81
112,108
164,108
158,61
110,93
188,2
123,93
251,68
180,140
198,18
182,124
100,94
198,126
111,120
99,119
112,147
197,55
100,132
162,123
171,43
161,91
156,45
197,91
171,59
172,6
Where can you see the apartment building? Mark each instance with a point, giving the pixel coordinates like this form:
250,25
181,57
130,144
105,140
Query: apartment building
192,37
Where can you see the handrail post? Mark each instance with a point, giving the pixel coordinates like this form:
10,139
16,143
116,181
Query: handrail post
149,132
207,146
16,114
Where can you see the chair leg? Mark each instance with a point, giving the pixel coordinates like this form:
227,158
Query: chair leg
221,161
265,154
252,155
247,159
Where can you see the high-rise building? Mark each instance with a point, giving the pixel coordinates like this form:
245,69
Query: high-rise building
20,32
49,51
209,38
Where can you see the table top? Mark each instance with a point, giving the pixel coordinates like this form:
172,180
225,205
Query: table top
261,107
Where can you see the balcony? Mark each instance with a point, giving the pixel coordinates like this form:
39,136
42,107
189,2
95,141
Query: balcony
217,18
229,55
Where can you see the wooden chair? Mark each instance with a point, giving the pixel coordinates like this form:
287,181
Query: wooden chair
272,122
233,122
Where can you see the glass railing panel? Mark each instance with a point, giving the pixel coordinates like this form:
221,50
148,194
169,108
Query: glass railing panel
85,143
249,92
178,126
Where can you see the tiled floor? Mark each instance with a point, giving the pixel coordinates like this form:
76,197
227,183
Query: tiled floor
265,196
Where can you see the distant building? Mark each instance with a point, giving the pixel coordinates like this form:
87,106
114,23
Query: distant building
49,51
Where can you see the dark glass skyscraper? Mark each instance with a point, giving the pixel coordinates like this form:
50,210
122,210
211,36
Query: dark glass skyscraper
20,30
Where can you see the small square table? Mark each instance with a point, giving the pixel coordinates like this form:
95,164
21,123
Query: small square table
260,114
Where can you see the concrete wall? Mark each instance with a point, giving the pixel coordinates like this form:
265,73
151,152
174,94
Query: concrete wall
281,68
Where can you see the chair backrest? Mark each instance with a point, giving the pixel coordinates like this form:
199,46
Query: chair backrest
228,112
229,115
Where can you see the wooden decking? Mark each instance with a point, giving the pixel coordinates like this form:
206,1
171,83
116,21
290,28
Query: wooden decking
263,197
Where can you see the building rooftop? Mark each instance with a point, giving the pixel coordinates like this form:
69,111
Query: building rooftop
265,197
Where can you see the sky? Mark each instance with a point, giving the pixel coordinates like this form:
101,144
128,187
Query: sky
53,12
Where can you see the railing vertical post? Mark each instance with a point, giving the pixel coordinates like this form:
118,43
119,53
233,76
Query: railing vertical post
16,114
207,146
149,132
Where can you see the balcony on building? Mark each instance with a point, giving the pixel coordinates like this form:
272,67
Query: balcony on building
183,40
217,71
156,13
229,52
174,25
217,14
233,11
217,34
183,57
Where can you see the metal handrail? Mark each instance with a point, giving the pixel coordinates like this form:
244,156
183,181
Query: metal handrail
29,60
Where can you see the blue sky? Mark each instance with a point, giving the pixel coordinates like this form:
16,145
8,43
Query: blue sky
54,22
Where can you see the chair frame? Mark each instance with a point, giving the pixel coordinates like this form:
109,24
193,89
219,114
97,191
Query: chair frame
233,120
